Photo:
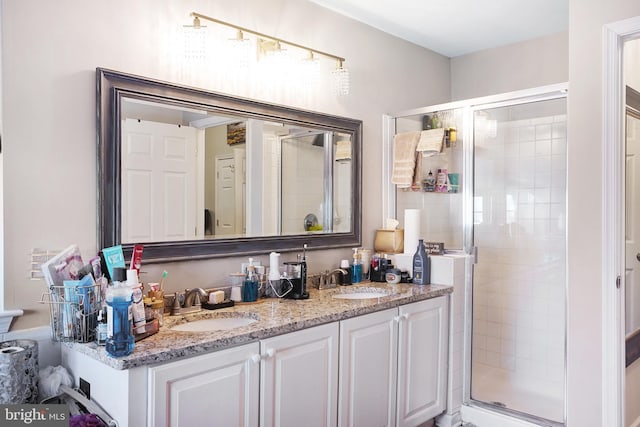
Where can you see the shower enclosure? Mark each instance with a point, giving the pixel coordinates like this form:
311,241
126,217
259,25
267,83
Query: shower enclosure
509,215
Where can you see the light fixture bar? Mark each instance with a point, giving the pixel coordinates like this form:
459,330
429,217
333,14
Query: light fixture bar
256,33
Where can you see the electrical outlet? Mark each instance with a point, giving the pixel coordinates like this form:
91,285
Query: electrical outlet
85,387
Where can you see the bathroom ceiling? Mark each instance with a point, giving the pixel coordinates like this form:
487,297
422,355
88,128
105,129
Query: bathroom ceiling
458,27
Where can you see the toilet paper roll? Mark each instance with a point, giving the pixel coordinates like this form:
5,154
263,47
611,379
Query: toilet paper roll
411,230
19,372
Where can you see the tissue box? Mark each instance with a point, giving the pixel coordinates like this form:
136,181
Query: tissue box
389,241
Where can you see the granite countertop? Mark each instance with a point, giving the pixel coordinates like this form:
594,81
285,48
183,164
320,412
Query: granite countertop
275,317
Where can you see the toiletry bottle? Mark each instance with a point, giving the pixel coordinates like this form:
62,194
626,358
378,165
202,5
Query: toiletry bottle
137,306
430,183
250,285
356,267
346,278
303,271
119,326
421,267
101,328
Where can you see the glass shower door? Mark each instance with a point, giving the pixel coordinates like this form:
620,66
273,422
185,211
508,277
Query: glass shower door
519,281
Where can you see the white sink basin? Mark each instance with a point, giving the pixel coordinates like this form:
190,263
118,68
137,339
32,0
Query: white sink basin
214,324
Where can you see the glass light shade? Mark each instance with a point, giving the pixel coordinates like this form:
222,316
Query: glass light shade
195,43
240,51
340,81
310,69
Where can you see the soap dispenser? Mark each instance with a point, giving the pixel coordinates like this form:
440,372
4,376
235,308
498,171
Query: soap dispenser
356,267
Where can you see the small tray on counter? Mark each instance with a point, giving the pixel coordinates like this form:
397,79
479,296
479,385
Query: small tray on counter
223,304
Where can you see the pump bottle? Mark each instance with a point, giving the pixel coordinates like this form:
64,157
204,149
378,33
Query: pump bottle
356,267
421,265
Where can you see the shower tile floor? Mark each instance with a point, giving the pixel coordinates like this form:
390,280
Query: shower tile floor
496,386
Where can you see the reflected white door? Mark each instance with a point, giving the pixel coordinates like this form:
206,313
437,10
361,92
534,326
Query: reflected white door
160,196
632,226
225,198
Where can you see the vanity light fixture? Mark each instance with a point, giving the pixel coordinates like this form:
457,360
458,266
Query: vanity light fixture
340,75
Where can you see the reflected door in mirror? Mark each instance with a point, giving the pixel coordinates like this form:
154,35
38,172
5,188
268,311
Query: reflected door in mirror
158,182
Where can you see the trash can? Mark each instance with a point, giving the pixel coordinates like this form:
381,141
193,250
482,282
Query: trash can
19,372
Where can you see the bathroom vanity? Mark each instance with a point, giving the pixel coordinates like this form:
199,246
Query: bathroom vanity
325,361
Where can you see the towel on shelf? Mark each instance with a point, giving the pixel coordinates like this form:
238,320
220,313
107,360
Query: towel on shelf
430,142
404,158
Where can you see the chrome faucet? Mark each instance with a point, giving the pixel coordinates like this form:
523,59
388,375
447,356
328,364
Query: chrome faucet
328,278
192,301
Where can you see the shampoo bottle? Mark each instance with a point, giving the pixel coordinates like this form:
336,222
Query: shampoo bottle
421,265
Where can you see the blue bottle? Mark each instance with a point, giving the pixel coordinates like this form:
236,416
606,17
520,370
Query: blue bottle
120,340
421,265
356,267
250,285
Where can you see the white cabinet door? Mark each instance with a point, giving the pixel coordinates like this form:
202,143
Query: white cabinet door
422,361
218,389
298,378
368,366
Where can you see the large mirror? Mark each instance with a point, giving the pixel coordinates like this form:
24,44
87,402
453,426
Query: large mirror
195,174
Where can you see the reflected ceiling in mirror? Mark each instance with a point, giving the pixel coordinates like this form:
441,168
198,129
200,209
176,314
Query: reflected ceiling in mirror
196,174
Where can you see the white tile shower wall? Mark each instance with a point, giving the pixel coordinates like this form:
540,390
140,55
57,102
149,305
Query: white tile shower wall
519,283
342,196
306,191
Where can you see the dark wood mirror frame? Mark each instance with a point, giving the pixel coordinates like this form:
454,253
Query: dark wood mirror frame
113,86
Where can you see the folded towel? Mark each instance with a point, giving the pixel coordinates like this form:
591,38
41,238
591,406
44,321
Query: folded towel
404,158
343,149
430,142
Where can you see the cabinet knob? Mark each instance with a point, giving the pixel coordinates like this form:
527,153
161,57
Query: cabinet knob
256,358
396,319
405,316
270,353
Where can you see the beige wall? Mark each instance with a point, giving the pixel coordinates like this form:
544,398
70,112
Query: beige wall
49,55
584,371
538,62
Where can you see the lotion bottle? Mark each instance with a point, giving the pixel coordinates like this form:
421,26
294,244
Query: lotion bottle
421,265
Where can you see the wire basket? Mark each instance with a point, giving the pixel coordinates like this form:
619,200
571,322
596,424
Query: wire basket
74,312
